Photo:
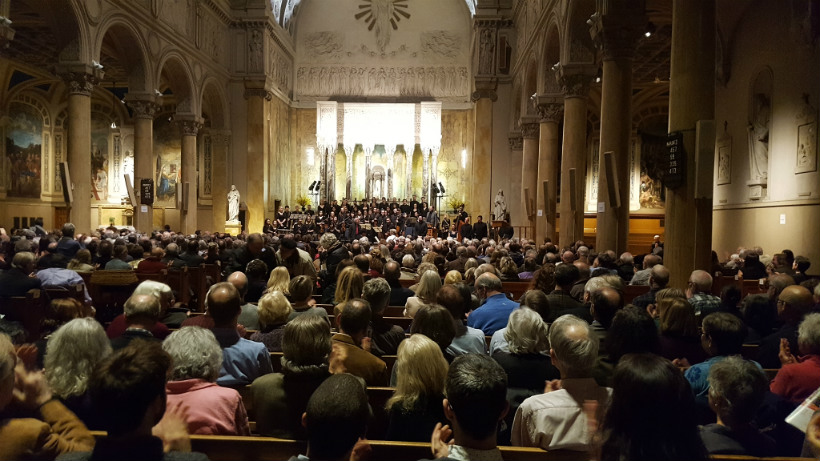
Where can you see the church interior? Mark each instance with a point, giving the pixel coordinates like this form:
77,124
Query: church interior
608,121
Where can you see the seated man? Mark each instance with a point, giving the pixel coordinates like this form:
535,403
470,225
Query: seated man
141,315
348,356
793,303
385,336
54,431
242,360
556,419
160,329
495,312
249,318
336,419
19,279
699,294
476,390
130,386
798,378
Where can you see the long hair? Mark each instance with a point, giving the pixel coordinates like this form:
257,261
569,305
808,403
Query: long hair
677,318
279,280
349,285
421,371
652,413
429,285
72,353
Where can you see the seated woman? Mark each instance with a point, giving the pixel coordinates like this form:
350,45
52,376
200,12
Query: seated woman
301,297
81,262
212,409
435,322
468,340
428,287
59,312
736,391
281,398
349,285
679,334
279,280
509,270
274,309
71,355
415,407
527,364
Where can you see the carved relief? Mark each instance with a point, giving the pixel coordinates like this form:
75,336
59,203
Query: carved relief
441,43
575,85
550,112
324,44
486,57
516,141
806,138
80,82
529,130
382,17
279,69
255,46
581,52
382,81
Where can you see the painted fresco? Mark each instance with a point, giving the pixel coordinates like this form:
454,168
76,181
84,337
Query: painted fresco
168,155
99,159
24,151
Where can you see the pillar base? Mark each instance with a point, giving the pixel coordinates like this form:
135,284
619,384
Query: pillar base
233,228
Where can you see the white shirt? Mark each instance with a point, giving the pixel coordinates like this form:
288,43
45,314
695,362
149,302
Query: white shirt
556,420
460,453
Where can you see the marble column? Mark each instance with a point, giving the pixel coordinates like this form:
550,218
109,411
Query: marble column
575,87
688,239
481,194
253,192
189,128
144,109
329,180
617,28
408,168
80,81
368,165
549,156
220,140
391,165
433,174
349,149
529,171
425,173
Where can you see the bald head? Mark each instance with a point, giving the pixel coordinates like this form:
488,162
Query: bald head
488,282
573,346
224,304
659,276
240,281
605,302
794,302
700,281
142,308
650,261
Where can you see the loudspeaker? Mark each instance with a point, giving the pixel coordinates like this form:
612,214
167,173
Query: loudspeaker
547,204
573,195
65,179
186,190
130,187
612,181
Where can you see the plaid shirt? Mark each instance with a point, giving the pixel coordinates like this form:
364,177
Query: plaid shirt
704,303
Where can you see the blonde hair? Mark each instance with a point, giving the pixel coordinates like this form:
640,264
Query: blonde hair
72,353
349,285
452,277
526,332
279,280
429,285
421,370
274,308
677,317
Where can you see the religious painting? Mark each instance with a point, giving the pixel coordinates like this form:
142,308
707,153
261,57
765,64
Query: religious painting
24,151
99,159
724,166
653,152
806,148
168,151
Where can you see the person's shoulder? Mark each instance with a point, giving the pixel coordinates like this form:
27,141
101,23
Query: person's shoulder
544,401
268,381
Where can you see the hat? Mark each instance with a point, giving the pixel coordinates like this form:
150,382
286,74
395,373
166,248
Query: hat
288,244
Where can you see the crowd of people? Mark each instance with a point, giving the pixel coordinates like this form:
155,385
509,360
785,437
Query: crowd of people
569,366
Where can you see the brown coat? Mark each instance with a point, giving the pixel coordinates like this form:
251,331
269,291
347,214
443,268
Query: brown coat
60,431
347,357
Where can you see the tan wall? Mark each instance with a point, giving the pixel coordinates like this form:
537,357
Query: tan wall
34,209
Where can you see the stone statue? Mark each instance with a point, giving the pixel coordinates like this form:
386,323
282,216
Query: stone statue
233,204
500,206
759,138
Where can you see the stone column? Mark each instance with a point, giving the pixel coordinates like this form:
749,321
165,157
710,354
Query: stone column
221,140
189,127
80,81
329,180
688,238
425,173
529,170
551,114
391,164
575,87
481,195
368,183
144,109
349,149
617,28
433,174
253,192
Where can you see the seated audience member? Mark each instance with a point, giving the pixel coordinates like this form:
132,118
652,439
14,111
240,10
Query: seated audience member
453,277
348,355
475,404
679,334
543,279
242,360
129,388
64,279
658,279
529,268
495,312
336,419
509,270
279,399
51,431
141,314
18,280
398,294
256,271
67,245
60,311
527,364
428,287
279,280
349,285
793,303
415,407
736,391
652,413
561,300
274,310
81,262
249,317
759,317
159,330
385,337
435,322
798,378
73,352
118,259
153,264
467,340
191,254
730,297
642,276
535,300
604,304
301,296
556,420
197,359
632,331
722,337
699,294
801,265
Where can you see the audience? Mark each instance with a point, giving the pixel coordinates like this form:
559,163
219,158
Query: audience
799,377
385,337
428,287
274,311
495,311
350,345
141,313
467,340
793,303
301,296
249,317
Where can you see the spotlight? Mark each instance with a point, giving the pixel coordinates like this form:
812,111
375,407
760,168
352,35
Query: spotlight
318,183
312,185
441,187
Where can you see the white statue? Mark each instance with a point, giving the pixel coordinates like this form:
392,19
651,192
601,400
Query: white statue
500,206
759,138
233,204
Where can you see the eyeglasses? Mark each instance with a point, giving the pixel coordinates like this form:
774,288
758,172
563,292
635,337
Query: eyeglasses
780,301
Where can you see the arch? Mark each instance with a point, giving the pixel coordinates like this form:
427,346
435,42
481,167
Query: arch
36,101
551,55
213,103
650,111
174,72
530,87
577,46
131,50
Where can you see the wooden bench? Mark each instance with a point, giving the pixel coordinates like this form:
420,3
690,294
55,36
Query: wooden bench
516,289
394,311
29,310
109,289
633,291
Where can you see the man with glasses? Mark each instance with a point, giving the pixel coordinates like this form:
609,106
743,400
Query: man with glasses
699,294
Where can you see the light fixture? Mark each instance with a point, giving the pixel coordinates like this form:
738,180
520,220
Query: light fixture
113,110
310,155
650,29
597,79
464,158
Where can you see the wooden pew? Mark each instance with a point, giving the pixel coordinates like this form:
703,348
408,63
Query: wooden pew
516,289
633,291
158,277
109,290
752,287
403,322
29,310
198,286
73,291
394,311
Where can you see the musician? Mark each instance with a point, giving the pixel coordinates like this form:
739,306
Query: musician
421,227
281,218
414,204
424,206
452,233
310,224
466,229
268,227
405,207
353,230
480,228
432,217
309,211
287,217
394,203
335,207
410,225
462,215
445,227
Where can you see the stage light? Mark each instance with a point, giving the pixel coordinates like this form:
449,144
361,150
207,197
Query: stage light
312,185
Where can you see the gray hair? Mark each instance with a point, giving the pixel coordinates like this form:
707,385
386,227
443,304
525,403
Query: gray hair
72,353
738,388
408,261
22,259
488,280
576,352
327,240
526,332
159,290
142,306
485,268
429,285
195,353
377,293
808,333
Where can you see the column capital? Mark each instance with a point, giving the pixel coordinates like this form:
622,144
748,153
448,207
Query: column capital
516,140
616,32
143,108
6,34
574,81
267,95
529,127
550,112
188,126
80,78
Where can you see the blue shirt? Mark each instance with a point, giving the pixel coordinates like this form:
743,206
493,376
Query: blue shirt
493,315
698,373
242,360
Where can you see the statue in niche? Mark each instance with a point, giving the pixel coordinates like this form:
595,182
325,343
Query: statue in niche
500,208
485,65
759,137
233,204
255,51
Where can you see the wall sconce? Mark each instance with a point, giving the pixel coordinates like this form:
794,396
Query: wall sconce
310,153
464,158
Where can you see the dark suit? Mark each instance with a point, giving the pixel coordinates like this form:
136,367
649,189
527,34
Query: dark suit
480,230
14,282
399,294
466,231
561,302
